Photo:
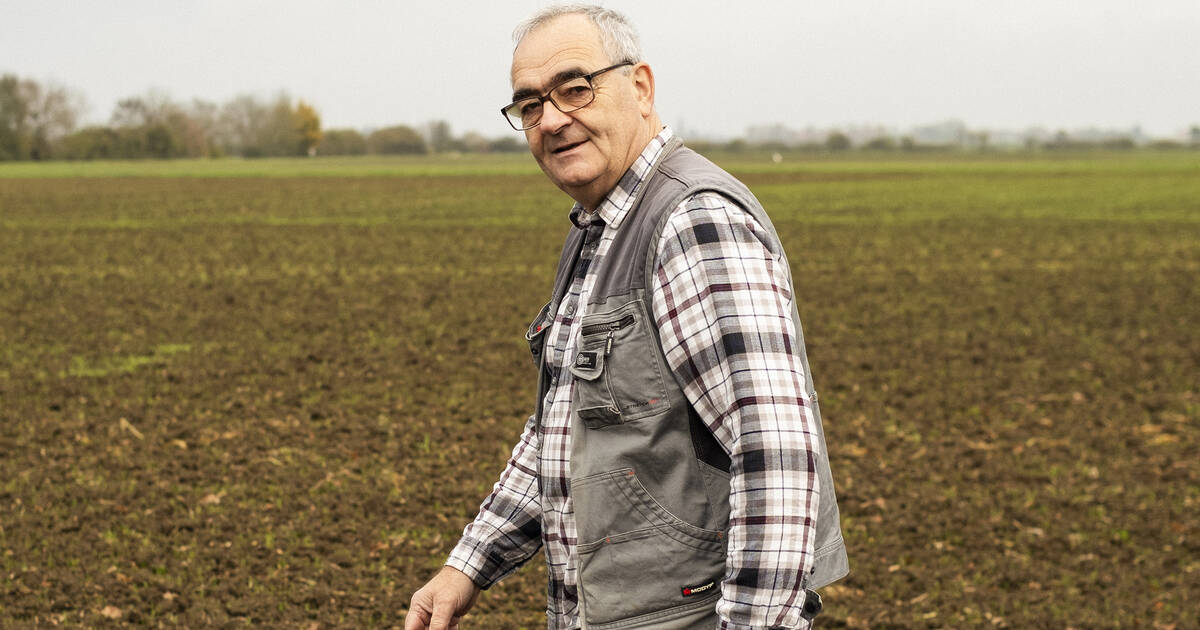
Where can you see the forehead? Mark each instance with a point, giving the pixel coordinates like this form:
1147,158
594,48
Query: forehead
564,43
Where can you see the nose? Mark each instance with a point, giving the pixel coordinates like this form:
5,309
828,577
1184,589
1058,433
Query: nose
553,119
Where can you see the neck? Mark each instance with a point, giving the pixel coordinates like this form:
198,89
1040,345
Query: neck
653,125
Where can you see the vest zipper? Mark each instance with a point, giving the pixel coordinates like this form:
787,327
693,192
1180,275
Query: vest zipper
611,327
592,329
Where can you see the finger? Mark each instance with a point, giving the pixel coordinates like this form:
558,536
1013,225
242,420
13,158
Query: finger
417,618
443,611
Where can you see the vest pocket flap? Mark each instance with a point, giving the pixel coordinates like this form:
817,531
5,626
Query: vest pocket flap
597,417
588,364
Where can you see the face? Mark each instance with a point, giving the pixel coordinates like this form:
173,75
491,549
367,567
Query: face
586,151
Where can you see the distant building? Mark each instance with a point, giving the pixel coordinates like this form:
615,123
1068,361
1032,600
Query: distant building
947,133
779,133
955,133
1094,135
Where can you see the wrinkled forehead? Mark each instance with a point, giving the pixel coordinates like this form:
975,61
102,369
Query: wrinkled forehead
562,45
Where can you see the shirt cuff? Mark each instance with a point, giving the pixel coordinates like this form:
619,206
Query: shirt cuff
478,561
729,625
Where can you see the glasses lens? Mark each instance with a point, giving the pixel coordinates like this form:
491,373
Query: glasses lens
567,97
572,95
524,114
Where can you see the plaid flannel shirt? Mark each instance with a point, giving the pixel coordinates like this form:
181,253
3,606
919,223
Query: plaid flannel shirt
718,292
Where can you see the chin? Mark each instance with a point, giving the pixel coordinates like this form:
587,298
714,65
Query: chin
573,176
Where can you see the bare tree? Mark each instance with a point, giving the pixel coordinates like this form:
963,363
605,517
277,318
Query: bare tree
239,122
34,116
438,136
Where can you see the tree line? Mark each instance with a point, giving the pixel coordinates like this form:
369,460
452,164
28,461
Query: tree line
40,122
838,142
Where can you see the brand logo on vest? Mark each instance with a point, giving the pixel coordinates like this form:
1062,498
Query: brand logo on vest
586,360
688,591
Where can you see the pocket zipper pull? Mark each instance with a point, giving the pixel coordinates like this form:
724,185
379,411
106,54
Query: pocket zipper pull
608,343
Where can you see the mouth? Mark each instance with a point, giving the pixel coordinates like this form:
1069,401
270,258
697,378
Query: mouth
567,147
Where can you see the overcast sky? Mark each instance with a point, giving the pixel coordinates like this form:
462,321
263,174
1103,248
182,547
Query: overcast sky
720,66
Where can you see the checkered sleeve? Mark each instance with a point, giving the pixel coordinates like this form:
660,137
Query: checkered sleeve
508,528
722,300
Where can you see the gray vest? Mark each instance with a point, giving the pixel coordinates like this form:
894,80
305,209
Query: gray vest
649,482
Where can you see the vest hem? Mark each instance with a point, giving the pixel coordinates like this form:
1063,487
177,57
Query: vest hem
658,616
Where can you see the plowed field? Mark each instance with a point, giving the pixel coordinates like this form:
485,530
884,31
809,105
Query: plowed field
276,399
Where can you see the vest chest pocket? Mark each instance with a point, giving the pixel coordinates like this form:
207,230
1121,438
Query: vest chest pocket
618,376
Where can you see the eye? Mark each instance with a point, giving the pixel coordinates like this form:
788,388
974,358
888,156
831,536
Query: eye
528,107
574,94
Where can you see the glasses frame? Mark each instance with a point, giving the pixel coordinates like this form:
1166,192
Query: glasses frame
546,97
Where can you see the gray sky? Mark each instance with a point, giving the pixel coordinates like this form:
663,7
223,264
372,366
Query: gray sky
720,66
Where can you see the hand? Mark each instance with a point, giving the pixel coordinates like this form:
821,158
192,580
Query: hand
442,602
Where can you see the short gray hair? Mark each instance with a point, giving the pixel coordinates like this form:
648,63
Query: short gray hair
617,35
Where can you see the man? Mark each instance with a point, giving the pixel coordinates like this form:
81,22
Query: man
675,467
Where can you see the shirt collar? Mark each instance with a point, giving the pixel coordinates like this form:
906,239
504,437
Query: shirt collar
617,203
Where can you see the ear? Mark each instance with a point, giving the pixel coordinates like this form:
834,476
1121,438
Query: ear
643,88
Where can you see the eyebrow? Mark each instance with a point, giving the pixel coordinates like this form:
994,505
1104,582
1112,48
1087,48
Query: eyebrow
565,75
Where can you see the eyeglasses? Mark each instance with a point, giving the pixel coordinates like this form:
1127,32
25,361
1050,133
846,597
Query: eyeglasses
567,96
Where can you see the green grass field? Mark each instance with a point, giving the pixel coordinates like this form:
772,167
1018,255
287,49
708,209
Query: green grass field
271,393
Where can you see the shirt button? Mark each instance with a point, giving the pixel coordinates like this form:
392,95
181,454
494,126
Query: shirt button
570,309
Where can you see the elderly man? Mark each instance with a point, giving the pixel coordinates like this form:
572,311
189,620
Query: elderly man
675,468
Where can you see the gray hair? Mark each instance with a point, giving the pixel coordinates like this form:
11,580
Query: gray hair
617,35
